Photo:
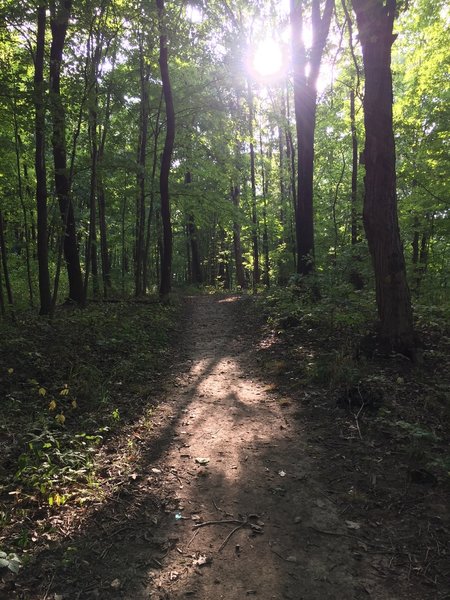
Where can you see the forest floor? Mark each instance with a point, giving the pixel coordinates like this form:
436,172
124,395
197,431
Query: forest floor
242,482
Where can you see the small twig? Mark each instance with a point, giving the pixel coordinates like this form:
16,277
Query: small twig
49,586
335,533
192,538
357,415
278,554
220,522
224,543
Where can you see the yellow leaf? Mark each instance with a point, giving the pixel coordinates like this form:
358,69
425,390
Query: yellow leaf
64,392
10,371
33,382
60,419
42,391
74,404
52,405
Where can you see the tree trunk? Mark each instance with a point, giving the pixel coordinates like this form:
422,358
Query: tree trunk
39,163
4,260
59,23
265,191
305,95
354,191
156,131
240,273
375,23
144,73
104,254
256,270
166,258
196,267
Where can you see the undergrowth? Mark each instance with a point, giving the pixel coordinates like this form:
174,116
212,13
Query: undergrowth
325,338
68,386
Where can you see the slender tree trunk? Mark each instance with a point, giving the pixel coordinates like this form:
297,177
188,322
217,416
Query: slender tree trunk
196,267
22,203
2,299
305,96
59,23
4,259
255,244
240,273
166,259
39,162
124,249
144,73
375,24
354,191
91,246
265,239
103,230
156,132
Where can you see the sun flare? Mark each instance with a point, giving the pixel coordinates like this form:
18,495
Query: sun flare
268,59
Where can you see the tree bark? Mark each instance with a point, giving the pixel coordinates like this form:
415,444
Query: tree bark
144,73
39,165
59,22
196,267
4,259
375,21
354,190
305,96
255,244
240,273
166,258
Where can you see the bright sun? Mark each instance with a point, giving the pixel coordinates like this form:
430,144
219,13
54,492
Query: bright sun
268,58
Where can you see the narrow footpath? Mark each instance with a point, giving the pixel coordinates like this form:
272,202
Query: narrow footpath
226,500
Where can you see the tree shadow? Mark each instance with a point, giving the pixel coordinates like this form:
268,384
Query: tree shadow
142,542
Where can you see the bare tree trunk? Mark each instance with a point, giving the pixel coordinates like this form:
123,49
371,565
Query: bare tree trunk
354,191
59,22
305,96
240,273
166,259
196,268
265,238
144,74
39,162
375,24
156,132
255,244
4,259
104,254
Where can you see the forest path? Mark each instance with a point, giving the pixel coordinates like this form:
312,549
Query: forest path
290,542
257,519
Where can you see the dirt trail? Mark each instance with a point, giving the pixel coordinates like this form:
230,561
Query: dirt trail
290,542
283,537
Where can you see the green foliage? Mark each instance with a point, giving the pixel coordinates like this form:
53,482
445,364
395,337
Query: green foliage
54,460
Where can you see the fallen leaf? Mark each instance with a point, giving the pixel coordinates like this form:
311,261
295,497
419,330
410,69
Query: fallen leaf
352,525
115,584
201,561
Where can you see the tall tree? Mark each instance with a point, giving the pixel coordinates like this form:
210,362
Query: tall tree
39,162
375,20
166,257
306,72
59,21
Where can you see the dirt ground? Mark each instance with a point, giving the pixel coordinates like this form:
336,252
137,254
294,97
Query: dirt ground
235,492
